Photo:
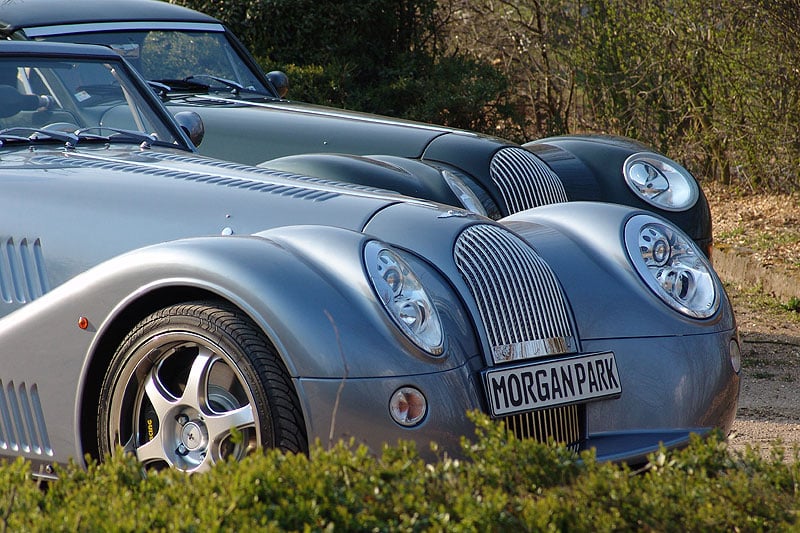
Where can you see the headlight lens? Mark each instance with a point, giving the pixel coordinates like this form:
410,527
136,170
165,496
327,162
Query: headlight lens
467,196
672,266
404,297
660,181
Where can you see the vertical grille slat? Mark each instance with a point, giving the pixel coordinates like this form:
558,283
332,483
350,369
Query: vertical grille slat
521,305
524,180
562,424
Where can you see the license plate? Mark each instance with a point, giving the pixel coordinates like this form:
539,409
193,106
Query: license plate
551,383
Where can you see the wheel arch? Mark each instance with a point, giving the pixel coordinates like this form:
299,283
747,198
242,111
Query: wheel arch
114,332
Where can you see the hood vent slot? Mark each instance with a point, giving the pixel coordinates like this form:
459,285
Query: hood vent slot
223,181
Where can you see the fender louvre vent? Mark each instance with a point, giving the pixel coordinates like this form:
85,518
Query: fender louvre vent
524,180
22,426
22,272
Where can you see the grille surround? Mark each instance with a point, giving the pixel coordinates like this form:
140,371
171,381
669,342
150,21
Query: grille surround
524,314
524,180
522,308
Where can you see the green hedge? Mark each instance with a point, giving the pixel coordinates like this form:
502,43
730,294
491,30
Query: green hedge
501,485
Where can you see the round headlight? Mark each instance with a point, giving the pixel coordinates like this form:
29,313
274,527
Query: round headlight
672,266
469,200
660,181
403,296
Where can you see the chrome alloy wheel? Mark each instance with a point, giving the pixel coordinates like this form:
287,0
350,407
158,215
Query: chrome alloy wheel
194,384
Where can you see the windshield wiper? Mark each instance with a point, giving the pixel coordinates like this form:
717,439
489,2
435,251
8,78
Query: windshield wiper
23,134
71,139
146,140
168,85
190,83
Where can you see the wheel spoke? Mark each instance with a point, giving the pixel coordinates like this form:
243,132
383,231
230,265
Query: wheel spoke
196,391
220,426
153,451
160,398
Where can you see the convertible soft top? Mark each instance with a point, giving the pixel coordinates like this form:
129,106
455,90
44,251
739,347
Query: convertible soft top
32,13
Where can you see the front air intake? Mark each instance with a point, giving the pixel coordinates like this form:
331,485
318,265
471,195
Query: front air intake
524,180
525,315
522,307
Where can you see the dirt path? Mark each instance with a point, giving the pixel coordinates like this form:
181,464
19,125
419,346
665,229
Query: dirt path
760,234
769,405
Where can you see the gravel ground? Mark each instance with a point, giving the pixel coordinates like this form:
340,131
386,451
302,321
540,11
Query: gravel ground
766,230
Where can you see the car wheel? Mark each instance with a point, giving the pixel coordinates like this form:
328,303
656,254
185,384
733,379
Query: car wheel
194,383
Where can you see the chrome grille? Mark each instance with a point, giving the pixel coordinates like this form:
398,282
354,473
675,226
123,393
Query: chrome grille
563,424
524,180
521,305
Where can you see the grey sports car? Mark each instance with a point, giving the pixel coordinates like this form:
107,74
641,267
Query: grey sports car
197,64
162,301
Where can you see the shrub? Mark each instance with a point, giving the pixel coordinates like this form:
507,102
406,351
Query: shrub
501,484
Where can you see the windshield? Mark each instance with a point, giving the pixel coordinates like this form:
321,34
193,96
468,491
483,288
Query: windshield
95,96
203,59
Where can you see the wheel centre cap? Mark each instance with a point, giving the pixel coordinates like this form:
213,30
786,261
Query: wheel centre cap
193,436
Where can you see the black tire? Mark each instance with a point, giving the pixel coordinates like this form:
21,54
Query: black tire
186,375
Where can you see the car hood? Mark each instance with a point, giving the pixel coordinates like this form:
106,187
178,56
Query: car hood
288,128
106,201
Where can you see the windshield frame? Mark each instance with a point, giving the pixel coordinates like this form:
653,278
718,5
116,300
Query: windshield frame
51,33
135,83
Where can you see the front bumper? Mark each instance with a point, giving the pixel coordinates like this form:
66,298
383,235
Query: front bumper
672,387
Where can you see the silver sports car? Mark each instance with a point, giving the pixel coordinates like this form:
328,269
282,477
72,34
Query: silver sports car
162,301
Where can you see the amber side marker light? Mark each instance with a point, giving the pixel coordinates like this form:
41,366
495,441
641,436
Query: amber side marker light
83,322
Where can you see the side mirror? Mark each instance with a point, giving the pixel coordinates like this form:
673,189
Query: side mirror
192,124
280,81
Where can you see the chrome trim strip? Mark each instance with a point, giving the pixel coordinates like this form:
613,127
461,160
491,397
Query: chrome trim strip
68,29
533,348
324,112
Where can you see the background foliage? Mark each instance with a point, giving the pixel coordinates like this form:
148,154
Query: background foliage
713,83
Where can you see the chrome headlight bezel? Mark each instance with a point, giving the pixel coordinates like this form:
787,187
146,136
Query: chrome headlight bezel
660,181
469,200
400,291
672,266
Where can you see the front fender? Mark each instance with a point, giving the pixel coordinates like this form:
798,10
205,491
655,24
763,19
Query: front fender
306,288
584,243
591,169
